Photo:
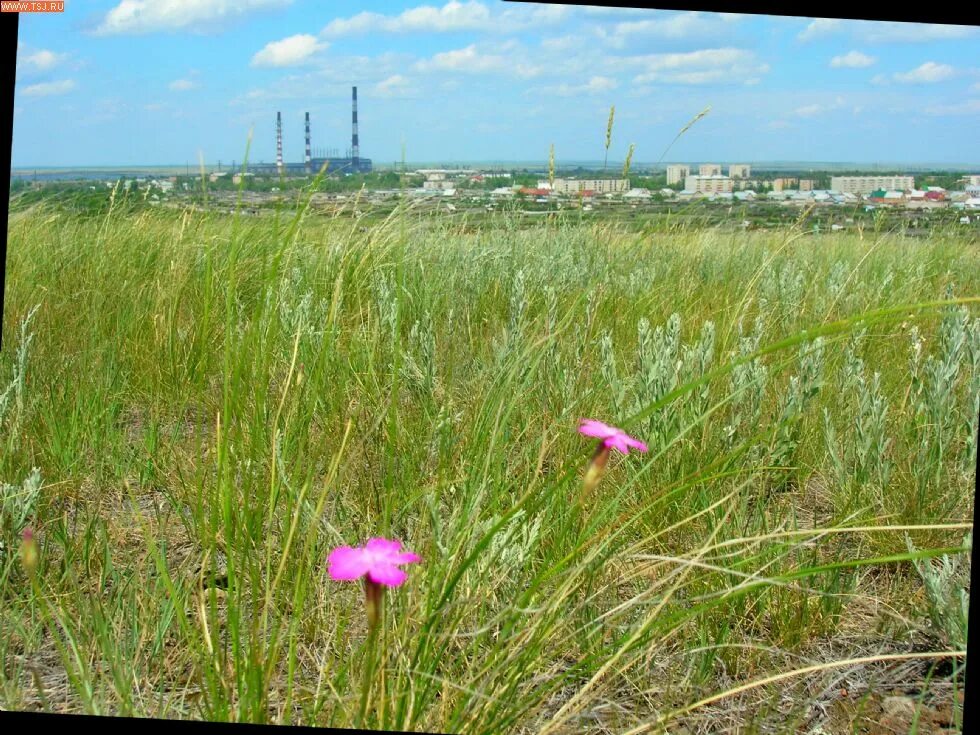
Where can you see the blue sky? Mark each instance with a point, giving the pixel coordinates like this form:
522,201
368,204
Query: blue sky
129,82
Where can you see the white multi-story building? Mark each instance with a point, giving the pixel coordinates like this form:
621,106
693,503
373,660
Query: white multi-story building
740,171
868,184
716,184
676,173
709,169
599,186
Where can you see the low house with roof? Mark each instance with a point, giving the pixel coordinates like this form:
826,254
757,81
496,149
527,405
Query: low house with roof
531,192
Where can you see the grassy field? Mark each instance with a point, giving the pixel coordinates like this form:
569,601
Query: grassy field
213,404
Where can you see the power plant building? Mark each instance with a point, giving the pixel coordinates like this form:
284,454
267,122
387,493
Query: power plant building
350,163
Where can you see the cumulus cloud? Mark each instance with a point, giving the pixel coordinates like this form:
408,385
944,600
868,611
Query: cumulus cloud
470,60
928,73
452,17
818,108
892,32
808,110
46,89
684,25
288,52
40,60
967,107
182,85
395,86
874,31
852,60
561,44
820,27
596,85
705,66
153,16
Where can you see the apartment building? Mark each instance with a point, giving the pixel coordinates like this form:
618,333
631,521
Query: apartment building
716,184
676,173
599,186
868,184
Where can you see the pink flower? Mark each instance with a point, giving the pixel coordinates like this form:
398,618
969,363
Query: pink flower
611,436
378,559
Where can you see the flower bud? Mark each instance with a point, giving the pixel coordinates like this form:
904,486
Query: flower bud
28,551
596,469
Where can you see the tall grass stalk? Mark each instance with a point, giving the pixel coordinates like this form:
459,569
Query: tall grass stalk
258,390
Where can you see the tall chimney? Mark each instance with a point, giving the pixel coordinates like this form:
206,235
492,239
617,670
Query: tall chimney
279,141
308,156
354,149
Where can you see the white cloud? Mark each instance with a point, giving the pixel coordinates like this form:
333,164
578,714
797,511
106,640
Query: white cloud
820,27
596,85
852,60
687,25
690,24
182,85
808,110
453,16
599,10
892,32
471,61
928,73
289,51
818,108
46,89
874,31
561,44
151,16
697,67
968,107
40,60
395,86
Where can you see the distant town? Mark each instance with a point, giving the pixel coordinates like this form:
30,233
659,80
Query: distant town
765,200
255,188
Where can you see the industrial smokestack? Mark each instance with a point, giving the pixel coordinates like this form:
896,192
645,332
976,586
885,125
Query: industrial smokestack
354,148
308,157
279,141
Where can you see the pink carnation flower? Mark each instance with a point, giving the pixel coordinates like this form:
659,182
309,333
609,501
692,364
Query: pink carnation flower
610,436
379,559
